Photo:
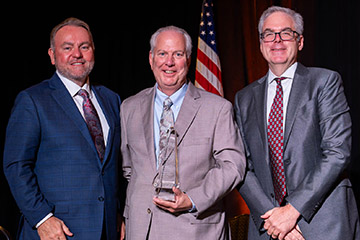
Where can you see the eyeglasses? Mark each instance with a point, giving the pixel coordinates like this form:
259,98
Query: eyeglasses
285,35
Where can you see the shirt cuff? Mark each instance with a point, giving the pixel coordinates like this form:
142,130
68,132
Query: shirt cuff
44,219
193,209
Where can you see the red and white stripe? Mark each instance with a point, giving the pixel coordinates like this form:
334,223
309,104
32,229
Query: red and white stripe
208,69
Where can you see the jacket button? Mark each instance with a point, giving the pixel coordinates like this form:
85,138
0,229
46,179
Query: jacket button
148,210
101,198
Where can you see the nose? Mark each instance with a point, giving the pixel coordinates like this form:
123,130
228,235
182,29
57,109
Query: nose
77,53
170,60
277,37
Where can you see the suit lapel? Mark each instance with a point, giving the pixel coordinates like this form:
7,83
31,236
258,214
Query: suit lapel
299,85
188,111
106,110
67,104
295,99
260,96
147,111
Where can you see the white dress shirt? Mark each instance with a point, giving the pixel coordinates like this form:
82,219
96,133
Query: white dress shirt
73,89
286,86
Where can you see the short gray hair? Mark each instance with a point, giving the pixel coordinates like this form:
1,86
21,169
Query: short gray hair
188,42
297,18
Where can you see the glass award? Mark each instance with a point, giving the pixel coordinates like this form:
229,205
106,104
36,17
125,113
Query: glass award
167,175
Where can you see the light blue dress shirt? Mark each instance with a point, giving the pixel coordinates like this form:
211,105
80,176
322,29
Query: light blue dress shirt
177,99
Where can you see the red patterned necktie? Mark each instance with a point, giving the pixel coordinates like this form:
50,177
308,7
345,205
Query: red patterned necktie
93,123
276,142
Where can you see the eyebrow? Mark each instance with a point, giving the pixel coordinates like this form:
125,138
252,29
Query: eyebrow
72,44
161,50
270,30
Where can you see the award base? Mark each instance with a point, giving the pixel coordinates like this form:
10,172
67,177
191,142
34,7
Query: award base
165,194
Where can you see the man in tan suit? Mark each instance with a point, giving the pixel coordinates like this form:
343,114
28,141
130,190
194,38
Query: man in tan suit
209,149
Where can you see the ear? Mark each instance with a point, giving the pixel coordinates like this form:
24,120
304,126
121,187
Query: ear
261,47
52,56
150,59
301,42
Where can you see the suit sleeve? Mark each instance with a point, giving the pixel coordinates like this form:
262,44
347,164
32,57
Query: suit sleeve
21,146
335,144
251,190
229,170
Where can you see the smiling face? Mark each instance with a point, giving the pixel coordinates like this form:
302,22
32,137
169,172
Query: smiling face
169,62
280,54
73,53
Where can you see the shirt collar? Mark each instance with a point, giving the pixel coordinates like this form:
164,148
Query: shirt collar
288,74
72,87
176,97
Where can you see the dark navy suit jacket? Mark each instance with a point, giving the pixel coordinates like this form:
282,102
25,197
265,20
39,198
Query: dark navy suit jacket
51,163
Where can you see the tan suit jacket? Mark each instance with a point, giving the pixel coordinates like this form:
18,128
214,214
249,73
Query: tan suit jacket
211,164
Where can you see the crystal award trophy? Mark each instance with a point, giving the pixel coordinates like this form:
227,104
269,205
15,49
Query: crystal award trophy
167,175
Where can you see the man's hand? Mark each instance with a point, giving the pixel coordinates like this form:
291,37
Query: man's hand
280,221
122,230
121,226
295,234
53,228
182,202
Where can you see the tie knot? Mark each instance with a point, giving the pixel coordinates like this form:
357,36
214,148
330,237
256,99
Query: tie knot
279,79
167,103
83,93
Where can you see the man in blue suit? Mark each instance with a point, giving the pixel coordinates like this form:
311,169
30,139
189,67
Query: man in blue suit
65,183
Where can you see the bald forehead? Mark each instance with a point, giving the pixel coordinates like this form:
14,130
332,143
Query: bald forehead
170,34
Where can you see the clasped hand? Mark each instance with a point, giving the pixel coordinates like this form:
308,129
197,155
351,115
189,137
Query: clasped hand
281,223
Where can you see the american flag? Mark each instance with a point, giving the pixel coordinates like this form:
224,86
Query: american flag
208,77
208,69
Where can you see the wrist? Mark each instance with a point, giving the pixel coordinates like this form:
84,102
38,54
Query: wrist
44,219
293,210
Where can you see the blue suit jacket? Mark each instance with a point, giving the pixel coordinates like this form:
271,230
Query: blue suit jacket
51,163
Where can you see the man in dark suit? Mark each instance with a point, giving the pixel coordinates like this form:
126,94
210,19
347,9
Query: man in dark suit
62,146
297,132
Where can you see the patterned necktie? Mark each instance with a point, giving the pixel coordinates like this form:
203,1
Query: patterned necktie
276,142
166,125
93,123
